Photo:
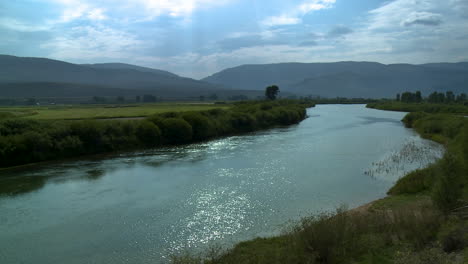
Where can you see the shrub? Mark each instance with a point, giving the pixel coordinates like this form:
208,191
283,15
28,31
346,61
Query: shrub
414,182
23,141
410,118
242,122
148,133
90,133
69,146
176,130
447,189
201,125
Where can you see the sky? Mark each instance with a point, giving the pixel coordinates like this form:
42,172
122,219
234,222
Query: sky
196,38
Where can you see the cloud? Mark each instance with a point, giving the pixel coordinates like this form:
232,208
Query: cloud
308,43
294,16
148,32
422,18
16,25
97,14
338,31
281,20
177,8
390,33
141,10
250,40
93,42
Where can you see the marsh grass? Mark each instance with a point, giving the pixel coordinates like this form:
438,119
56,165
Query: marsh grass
412,155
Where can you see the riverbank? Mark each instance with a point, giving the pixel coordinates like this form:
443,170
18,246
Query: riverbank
419,222
24,141
420,107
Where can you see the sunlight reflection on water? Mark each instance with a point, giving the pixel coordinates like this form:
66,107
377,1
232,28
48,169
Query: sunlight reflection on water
142,207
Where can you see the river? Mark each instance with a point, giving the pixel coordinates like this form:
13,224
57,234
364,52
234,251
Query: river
141,207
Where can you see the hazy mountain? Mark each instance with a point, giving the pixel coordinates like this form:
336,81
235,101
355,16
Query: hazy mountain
23,77
347,79
129,67
26,74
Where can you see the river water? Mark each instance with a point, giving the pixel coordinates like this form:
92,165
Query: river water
142,207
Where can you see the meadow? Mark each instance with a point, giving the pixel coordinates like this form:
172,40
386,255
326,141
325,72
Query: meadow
75,112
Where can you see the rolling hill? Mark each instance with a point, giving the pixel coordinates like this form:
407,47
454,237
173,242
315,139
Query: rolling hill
347,79
20,77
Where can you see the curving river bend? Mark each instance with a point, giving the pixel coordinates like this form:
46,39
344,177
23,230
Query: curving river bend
142,207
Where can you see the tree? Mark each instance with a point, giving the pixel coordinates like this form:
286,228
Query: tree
148,98
271,92
436,97
99,99
449,96
120,99
31,101
418,97
461,97
408,97
398,97
213,97
138,99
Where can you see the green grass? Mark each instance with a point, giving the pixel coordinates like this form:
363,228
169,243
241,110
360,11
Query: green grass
102,111
402,200
452,108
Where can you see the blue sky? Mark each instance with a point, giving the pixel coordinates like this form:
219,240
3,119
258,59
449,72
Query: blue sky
196,38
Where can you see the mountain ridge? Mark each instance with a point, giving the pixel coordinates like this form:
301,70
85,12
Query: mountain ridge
17,72
376,79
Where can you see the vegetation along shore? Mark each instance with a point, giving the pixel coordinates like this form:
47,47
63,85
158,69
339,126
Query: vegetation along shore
24,141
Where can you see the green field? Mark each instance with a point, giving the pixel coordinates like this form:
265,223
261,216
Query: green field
102,111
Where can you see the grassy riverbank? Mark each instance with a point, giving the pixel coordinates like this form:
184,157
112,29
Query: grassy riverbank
24,141
420,107
423,220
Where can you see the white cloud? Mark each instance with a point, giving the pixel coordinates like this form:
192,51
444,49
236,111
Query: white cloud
294,16
17,25
281,20
412,31
72,9
143,10
176,8
94,42
422,18
400,31
96,14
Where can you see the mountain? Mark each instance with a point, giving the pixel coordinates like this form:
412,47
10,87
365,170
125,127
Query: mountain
347,79
19,75
129,67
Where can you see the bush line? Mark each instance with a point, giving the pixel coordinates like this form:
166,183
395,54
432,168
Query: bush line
24,141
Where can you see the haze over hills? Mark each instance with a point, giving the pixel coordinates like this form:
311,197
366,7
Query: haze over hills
41,77
129,67
347,79
22,77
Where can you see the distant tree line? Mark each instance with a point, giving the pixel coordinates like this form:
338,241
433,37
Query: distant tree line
25,141
435,97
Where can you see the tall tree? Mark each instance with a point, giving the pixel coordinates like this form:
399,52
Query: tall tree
449,96
271,92
418,97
